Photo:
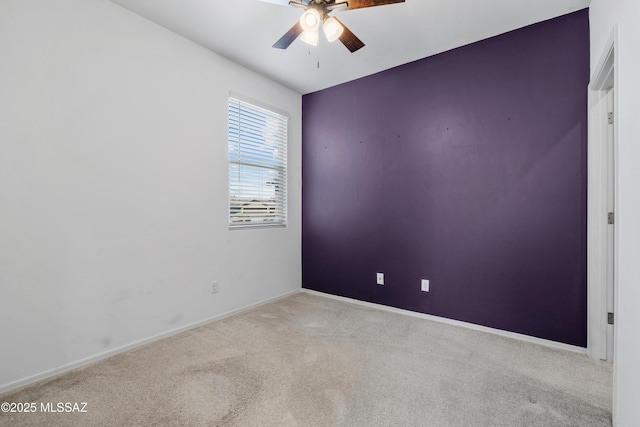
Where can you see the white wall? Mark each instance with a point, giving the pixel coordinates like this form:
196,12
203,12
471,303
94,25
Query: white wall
604,14
113,186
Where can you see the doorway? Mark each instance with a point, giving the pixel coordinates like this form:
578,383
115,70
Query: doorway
611,209
601,211
602,190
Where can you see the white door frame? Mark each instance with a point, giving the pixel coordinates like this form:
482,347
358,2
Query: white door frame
602,81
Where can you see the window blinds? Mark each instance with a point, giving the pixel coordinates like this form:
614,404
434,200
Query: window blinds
257,166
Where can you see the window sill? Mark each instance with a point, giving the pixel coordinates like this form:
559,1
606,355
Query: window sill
257,226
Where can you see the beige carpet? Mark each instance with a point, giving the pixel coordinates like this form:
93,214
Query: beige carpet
312,361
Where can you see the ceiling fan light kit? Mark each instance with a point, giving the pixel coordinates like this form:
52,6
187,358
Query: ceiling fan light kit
310,20
332,29
316,12
310,37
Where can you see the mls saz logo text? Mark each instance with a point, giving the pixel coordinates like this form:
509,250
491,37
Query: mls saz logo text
63,407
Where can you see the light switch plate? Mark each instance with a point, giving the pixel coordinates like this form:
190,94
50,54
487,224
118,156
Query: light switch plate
425,285
380,278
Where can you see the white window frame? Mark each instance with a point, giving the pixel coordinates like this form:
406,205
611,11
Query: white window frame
257,137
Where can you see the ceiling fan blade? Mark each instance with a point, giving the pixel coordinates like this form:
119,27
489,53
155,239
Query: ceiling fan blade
359,4
289,37
350,40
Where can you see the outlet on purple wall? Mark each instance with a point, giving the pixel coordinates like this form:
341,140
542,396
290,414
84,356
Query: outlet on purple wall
468,168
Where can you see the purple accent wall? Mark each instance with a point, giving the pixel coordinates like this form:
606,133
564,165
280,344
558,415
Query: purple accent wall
468,168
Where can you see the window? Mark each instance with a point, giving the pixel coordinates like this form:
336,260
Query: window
257,166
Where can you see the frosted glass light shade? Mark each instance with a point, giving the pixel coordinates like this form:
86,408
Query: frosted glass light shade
332,29
310,37
310,20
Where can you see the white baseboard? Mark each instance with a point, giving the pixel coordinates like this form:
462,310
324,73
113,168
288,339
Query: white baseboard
521,337
52,372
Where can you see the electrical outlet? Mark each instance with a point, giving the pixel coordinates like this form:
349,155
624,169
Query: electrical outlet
425,285
214,287
380,278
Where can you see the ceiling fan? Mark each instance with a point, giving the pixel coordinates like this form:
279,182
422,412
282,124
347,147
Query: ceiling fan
317,13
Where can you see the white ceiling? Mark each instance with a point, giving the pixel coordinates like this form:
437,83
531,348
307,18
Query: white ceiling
245,30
